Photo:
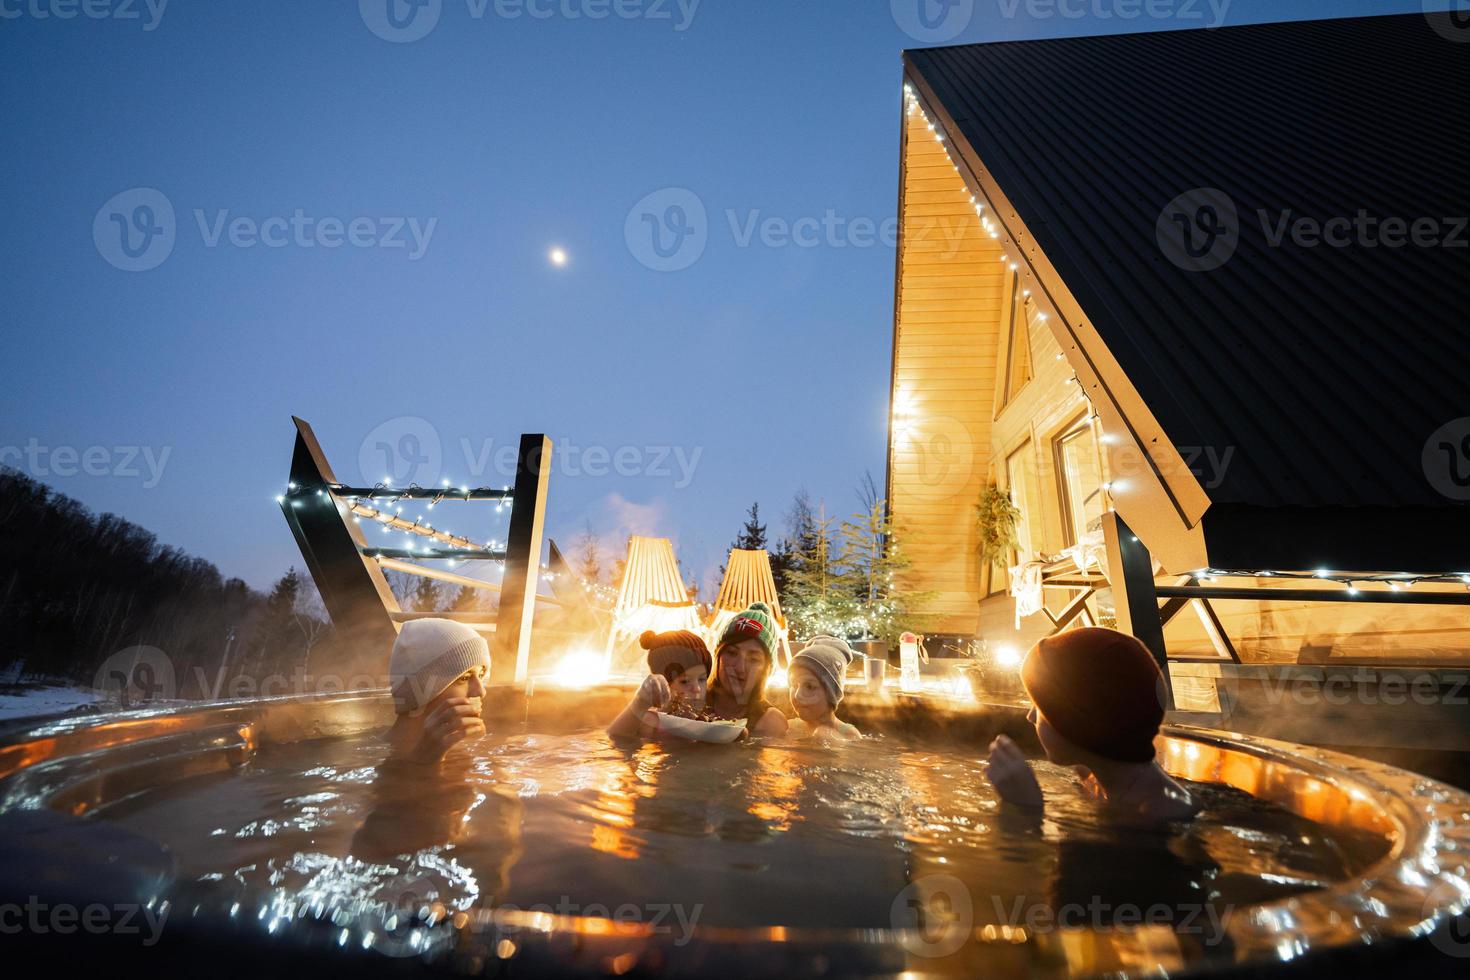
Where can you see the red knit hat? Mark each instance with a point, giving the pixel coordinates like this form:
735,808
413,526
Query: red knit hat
1100,689
676,647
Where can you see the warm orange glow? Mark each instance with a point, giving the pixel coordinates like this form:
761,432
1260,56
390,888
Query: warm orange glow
580,668
1007,657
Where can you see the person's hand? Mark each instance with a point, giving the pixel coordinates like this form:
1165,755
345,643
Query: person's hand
452,721
653,692
1011,774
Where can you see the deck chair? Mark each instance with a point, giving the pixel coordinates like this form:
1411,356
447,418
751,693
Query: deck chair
748,579
652,597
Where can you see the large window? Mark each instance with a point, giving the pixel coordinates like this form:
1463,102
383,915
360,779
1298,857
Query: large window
1018,482
1017,324
1079,475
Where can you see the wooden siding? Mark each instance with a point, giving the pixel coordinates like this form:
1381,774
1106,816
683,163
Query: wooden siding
951,286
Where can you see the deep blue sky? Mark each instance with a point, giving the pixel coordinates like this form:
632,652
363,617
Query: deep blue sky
514,135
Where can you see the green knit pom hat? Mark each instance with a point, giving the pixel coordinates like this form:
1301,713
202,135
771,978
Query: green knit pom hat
756,622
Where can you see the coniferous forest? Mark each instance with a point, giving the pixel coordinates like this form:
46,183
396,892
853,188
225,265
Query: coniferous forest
76,588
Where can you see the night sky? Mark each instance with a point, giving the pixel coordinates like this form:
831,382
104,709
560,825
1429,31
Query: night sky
361,233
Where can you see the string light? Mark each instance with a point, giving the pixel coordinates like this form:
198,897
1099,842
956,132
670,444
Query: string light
1395,581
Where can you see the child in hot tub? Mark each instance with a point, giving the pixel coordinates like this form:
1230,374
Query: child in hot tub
815,683
1098,702
679,666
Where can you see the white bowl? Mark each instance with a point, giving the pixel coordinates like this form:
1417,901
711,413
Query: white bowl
719,732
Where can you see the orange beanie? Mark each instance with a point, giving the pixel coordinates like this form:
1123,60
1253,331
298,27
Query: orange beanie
1099,688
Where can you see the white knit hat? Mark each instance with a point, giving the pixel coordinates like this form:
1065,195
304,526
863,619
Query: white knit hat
428,656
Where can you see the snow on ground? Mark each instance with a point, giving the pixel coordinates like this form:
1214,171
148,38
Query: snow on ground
24,702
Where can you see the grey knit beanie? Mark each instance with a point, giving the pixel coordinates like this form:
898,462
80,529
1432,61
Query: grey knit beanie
428,656
827,657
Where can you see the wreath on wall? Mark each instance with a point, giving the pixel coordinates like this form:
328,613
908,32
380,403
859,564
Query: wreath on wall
995,519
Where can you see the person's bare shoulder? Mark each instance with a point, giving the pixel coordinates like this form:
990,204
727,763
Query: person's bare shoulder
773,722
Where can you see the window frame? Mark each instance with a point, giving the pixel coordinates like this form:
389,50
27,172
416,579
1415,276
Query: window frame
1085,422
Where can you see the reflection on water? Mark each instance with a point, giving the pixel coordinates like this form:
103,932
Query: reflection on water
740,835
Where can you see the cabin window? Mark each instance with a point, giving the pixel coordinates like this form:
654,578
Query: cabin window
1018,345
1018,482
1079,476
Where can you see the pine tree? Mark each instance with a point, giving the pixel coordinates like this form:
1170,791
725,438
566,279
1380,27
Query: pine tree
589,557
426,595
800,537
276,639
877,563
752,536
465,599
822,592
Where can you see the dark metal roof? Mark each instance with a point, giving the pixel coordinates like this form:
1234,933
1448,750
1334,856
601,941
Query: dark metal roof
1326,369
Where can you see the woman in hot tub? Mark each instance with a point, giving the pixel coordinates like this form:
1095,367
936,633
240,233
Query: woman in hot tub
743,661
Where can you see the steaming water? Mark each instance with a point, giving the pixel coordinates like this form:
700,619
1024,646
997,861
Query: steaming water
739,835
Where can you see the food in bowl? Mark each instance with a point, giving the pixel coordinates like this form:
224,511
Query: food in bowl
683,719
